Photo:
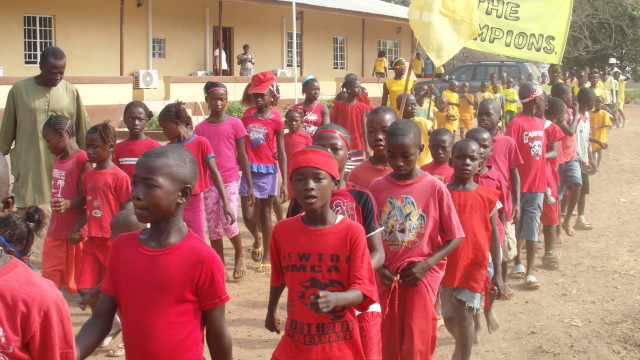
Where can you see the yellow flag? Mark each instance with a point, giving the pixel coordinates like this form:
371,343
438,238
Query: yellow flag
443,27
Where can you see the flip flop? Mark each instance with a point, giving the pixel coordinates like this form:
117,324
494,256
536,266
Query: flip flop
117,352
550,261
256,254
567,229
582,225
518,271
509,293
264,268
531,282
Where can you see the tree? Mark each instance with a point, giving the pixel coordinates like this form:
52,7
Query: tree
399,2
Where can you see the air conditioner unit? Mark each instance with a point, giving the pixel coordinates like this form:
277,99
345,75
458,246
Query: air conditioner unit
145,79
201,73
284,73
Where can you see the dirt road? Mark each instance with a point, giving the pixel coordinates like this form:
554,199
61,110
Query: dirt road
590,309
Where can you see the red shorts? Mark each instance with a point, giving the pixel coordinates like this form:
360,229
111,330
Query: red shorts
93,264
370,334
61,262
549,214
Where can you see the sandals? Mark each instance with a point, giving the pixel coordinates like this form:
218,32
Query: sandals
582,225
530,282
518,271
550,261
567,229
256,254
264,268
117,352
509,292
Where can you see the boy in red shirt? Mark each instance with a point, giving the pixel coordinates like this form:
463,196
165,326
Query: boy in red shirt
189,298
465,278
528,132
440,144
322,259
377,165
351,114
127,151
295,139
420,229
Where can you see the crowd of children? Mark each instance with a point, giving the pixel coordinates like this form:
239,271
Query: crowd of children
438,220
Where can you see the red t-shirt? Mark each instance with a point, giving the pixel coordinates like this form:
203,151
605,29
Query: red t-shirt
528,132
64,185
492,180
365,173
553,133
127,152
296,141
418,217
349,116
201,150
313,119
568,143
307,260
34,317
161,294
442,172
467,264
353,202
261,144
104,191
505,157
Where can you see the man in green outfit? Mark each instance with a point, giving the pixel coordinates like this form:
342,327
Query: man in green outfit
29,104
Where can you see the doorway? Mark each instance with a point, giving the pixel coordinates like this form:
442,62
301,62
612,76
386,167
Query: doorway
227,41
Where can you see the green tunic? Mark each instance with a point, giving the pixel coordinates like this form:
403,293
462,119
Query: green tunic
28,107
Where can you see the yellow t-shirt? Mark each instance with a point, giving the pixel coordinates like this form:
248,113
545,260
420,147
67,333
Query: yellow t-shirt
481,96
380,65
425,110
443,121
418,66
599,92
395,88
440,69
453,98
600,85
622,86
425,126
490,88
466,107
509,94
576,89
600,118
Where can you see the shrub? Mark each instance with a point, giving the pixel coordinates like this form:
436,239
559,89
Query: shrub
235,109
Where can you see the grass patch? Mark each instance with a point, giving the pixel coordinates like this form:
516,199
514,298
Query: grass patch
632,94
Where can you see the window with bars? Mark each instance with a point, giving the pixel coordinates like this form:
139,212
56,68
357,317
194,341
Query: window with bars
38,35
392,48
339,53
290,49
159,48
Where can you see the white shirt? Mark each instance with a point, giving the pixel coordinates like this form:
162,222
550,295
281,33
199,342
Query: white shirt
224,59
582,138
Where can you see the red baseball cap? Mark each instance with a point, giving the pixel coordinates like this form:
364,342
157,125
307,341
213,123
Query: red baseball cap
261,82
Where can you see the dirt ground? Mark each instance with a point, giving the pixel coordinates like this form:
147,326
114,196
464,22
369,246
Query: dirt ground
586,310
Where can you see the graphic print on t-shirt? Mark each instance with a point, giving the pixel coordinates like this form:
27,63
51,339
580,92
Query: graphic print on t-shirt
257,134
342,206
5,346
313,285
57,182
403,223
535,145
309,123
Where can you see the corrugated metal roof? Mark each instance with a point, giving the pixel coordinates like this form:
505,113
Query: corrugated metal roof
376,7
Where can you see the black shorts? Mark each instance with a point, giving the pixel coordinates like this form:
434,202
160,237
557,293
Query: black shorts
585,184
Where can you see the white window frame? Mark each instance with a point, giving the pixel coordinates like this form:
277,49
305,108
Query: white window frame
391,48
37,37
339,53
159,48
290,48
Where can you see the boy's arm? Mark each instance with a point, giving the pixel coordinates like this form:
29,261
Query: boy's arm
552,154
217,182
385,95
243,161
217,334
324,301
496,254
515,185
272,322
363,124
282,160
413,273
376,251
569,129
97,327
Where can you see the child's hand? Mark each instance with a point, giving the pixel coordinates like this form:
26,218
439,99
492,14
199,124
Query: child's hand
604,145
367,153
413,273
497,280
323,301
385,276
59,205
231,217
283,193
515,214
252,196
90,297
74,236
272,322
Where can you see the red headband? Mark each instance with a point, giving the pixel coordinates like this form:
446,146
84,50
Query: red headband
335,132
309,157
536,93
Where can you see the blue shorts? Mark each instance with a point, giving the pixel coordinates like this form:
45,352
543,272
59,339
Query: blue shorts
449,295
264,185
569,173
530,210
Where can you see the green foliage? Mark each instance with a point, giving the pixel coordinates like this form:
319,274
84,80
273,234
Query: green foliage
327,102
632,94
235,109
399,2
153,124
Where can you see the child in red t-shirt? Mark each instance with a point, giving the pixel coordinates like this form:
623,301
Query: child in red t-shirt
465,278
34,317
178,128
377,165
358,205
60,258
420,229
295,139
166,282
316,113
106,190
322,259
440,144
127,151
351,114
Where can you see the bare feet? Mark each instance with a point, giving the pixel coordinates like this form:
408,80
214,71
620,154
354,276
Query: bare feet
492,322
239,271
567,229
478,331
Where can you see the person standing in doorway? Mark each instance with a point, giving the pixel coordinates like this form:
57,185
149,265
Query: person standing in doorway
246,61
219,52
30,102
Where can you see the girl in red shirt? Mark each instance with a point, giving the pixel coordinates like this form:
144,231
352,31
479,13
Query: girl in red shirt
317,114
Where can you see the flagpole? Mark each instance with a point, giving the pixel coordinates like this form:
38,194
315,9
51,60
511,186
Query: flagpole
295,52
414,45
